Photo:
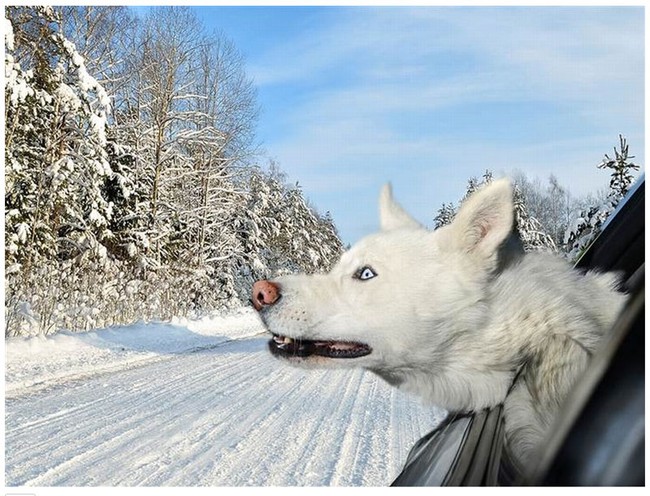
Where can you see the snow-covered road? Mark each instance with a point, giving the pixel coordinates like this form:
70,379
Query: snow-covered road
220,414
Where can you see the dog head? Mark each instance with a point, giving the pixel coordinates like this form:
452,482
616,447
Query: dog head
397,299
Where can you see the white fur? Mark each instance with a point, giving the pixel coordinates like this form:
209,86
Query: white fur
449,322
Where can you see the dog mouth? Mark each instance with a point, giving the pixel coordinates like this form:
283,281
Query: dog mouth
286,347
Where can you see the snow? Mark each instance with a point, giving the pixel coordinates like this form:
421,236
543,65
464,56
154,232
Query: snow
68,98
196,403
17,85
22,231
9,34
98,123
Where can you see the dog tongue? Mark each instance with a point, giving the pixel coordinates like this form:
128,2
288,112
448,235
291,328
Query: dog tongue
343,346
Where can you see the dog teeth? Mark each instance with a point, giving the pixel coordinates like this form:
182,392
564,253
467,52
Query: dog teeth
288,340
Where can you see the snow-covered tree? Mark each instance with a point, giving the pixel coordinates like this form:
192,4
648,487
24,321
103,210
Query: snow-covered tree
147,204
621,166
447,211
552,204
104,37
281,232
533,235
445,215
585,228
55,148
56,166
330,244
258,225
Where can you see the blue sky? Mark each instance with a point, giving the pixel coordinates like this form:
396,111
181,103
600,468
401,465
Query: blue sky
425,97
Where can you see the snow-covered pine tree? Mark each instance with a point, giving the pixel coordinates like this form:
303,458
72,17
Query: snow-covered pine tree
257,225
445,215
330,242
56,162
288,234
473,183
621,166
532,233
106,38
447,212
312,244
125,192
585,228
56,142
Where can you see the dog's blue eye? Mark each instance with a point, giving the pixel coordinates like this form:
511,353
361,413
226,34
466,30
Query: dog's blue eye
365,273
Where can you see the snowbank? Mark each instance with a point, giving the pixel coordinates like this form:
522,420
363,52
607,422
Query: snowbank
39,360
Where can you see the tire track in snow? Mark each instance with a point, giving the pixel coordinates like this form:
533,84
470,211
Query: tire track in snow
320,425
243,423
346,467
283,426
125,419
227,416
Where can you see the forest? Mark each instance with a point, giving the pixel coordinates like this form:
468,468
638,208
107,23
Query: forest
133,184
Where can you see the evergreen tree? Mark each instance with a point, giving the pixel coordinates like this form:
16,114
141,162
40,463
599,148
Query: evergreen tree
621,176
445,215
586,227
533,235
55,144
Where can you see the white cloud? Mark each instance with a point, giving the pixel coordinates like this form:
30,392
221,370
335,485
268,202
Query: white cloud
550,48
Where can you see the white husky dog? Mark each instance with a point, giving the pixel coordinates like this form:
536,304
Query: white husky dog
440,314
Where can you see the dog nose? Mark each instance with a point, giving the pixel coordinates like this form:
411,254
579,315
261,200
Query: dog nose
265,293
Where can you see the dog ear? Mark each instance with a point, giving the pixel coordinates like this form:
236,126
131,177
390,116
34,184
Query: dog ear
485,221
391,214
